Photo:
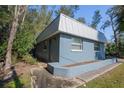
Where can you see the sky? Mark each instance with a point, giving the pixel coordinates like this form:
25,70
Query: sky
87,11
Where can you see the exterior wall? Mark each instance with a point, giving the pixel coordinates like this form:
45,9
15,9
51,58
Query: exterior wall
68,56
54,49
60,50
51,54
40,53
102,51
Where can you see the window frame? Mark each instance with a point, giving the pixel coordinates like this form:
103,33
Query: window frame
96,46
80,44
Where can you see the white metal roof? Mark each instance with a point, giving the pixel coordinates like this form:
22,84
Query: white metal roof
68,25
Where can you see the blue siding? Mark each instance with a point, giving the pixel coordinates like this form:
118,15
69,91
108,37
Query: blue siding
68,56
102,51
59,50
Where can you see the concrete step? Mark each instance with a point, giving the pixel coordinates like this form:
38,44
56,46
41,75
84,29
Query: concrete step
60,70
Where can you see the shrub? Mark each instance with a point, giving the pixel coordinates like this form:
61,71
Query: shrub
3,50
29,59
24,41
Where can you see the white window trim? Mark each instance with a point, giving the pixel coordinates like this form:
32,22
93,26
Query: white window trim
76,44
78,50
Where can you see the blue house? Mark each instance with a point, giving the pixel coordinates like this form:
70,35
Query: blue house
70,47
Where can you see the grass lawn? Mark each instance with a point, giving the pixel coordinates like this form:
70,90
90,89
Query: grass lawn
112,79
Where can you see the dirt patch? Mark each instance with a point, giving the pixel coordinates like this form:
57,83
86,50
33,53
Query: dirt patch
23,67
19,75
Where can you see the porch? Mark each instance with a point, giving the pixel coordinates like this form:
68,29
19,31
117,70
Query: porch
73,70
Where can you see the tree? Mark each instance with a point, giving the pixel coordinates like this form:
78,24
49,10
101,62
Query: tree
82,20
67,10
36,19
18,11
120,27
96,19
44,18
5,19
110,49
111,23
115,21
119,13
25,40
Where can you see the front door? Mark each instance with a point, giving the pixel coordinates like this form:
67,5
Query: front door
52,47
96,55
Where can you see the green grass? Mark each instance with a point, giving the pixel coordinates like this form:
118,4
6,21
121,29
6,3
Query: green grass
112,79
29,59
19,82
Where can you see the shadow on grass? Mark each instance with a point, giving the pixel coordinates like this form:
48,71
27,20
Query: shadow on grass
13,77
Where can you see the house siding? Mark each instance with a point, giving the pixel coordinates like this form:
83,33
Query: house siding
68,56
40,53
49,55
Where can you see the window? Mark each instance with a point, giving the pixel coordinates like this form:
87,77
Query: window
45,46
96,46
76,44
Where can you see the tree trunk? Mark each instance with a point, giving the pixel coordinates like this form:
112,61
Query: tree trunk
11,38
115,38
25,11
18,11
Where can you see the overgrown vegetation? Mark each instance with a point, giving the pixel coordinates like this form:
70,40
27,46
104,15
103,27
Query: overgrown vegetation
5,19
110,50
24,42
30,24
29,59
116,21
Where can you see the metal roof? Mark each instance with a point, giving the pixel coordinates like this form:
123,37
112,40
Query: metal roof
68,25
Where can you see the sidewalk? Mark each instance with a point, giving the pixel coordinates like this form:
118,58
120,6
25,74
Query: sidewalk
86,77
